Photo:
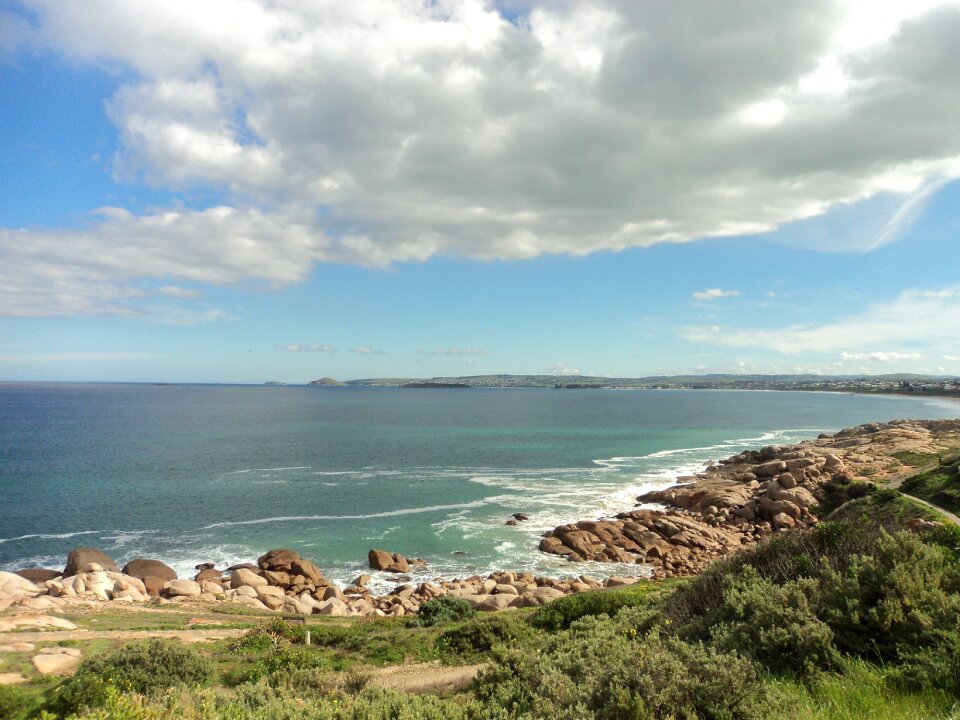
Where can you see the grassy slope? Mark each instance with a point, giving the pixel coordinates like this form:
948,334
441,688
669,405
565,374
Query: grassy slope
940,486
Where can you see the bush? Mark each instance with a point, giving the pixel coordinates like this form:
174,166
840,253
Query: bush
595,671
144,668
264,702
483,635
283,659
778,559
946,537
274,634
562,612
899,601
776,626
16,703
841,489
443,610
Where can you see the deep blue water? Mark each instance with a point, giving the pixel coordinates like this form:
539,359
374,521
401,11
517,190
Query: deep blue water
223,473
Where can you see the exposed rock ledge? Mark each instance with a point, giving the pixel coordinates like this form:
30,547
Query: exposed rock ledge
741,499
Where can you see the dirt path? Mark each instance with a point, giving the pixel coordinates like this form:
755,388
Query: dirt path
189,636
429,677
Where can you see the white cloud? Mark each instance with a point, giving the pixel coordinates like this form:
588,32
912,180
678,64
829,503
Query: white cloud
178,292
303,348
381,131
916,323
714,294
561,368
883,357
364,350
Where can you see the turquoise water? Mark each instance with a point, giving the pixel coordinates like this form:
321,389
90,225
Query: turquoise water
192,474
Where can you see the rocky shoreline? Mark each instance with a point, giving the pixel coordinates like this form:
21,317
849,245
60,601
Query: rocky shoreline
280,581
678,531
740,500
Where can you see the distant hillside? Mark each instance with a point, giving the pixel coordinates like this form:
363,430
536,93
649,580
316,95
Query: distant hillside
899,383
326,382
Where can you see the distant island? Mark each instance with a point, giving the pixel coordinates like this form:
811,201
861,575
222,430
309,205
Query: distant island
326,382
899,384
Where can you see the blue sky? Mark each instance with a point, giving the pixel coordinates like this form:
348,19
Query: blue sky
409,189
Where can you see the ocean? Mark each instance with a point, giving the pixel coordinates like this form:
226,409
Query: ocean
211,473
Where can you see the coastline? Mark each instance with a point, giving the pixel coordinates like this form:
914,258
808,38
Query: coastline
733,504
742,499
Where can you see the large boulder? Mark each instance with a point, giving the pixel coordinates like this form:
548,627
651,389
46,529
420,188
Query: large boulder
283,560
182,588
143,568
38,576
387,561
13,586
57,661
79,557
242,577
272,597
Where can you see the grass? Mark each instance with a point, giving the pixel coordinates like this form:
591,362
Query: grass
940,486
887,508
915,459
862,691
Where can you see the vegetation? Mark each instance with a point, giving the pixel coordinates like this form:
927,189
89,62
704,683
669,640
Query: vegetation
853,618
940,486
443,610
144,668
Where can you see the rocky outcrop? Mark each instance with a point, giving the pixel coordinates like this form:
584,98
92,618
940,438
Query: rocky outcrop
79,557
392,562
143,568
739,500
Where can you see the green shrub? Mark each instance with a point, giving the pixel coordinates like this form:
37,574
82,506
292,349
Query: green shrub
776,626
482,635
146,668
282,659
562,612
264,702
898,601
443,610
276,633
595,671
841,489
779,559
946,536
17,703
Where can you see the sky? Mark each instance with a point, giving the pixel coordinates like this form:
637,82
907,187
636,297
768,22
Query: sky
281,190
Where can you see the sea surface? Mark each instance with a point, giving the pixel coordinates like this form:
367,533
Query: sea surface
199,473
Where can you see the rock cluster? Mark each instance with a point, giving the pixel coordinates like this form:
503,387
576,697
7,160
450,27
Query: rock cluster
283,581
739,500
392,562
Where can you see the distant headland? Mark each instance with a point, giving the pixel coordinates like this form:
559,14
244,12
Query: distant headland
900,384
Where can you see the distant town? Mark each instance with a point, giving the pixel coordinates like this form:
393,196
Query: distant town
879,384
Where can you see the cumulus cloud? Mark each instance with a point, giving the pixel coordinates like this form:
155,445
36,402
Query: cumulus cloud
304,348
364,350
915,320
383,131
715,293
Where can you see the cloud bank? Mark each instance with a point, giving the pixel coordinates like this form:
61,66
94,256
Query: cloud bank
380,131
